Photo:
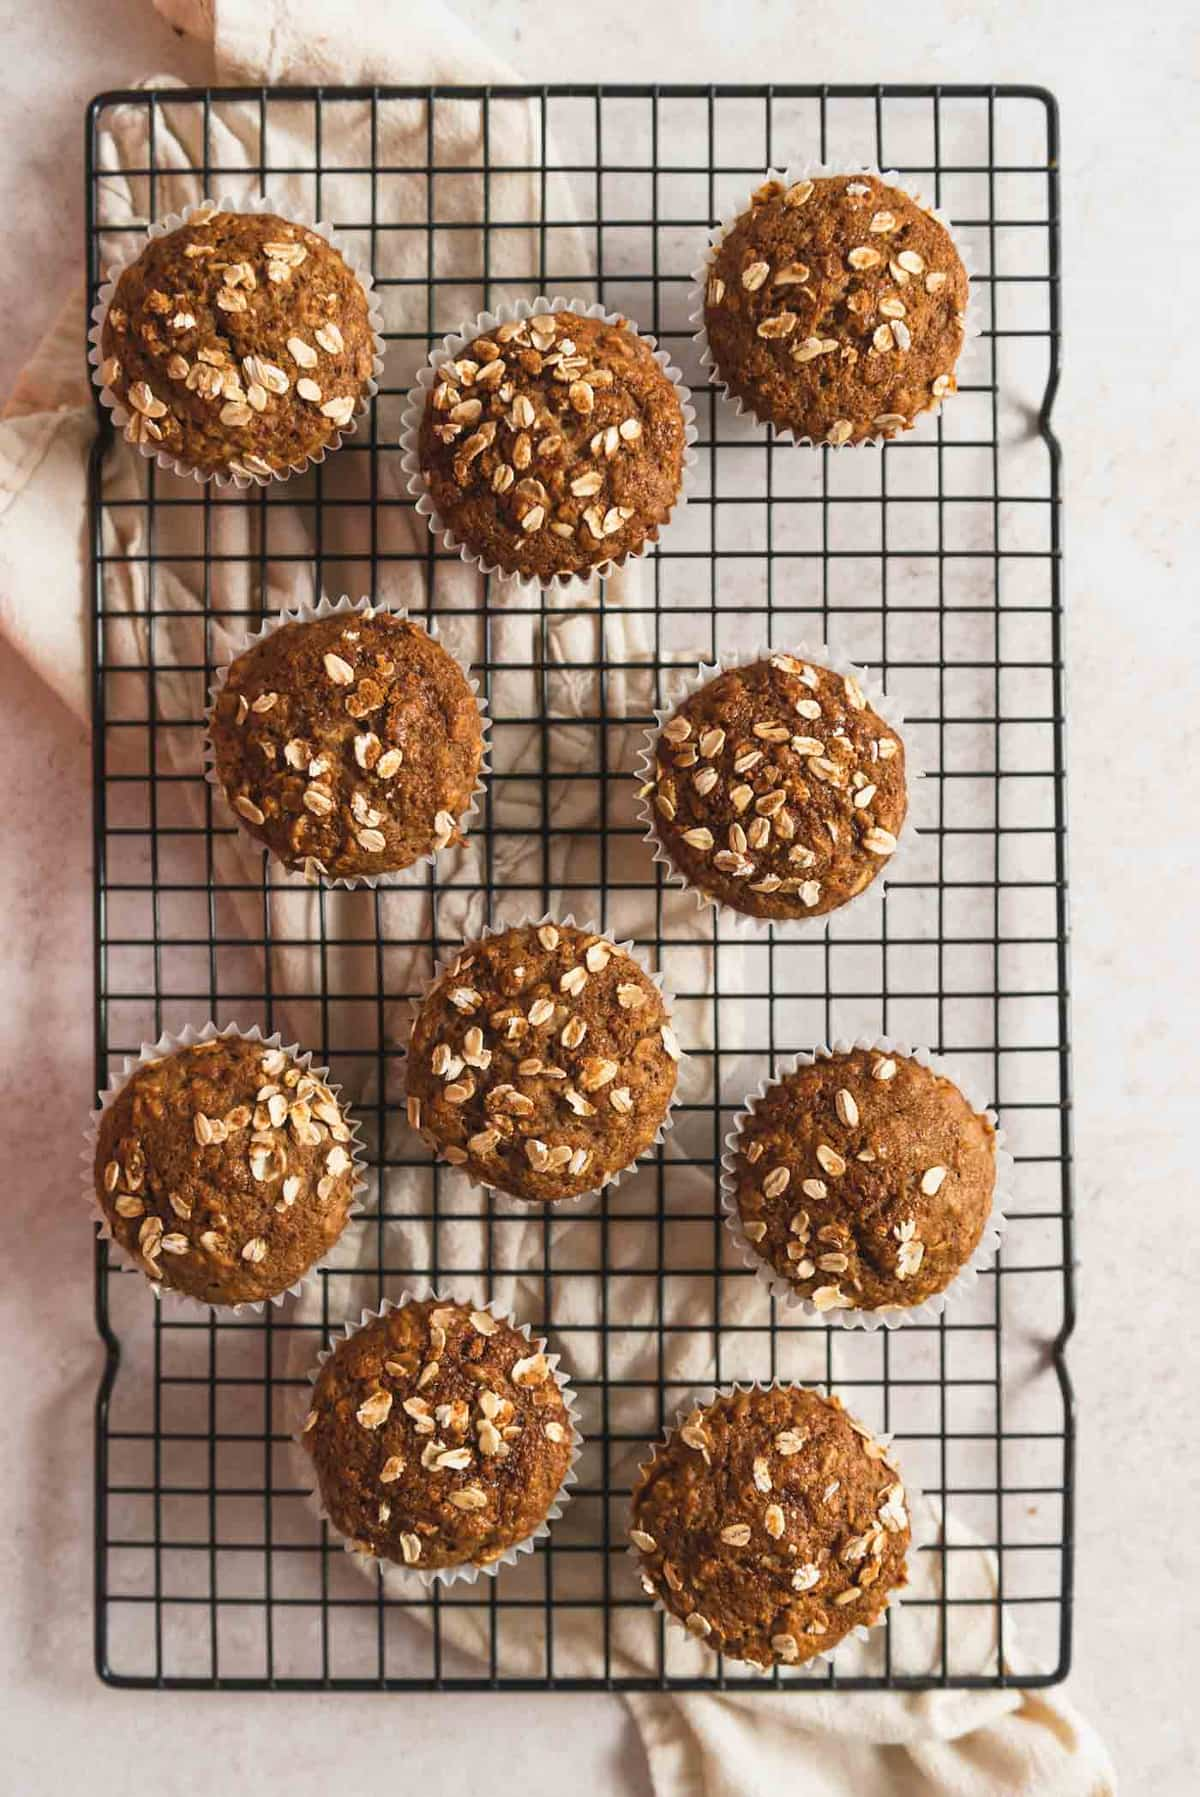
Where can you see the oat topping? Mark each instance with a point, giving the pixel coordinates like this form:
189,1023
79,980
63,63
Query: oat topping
437,1442
838,314
351,744
888,1187
210,329
777,789
554,444
790,1529
226,1169
529,1068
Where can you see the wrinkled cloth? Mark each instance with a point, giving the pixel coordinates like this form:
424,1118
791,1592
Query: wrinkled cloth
864,1744
1003,1744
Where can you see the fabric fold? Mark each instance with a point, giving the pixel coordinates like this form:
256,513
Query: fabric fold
865,1744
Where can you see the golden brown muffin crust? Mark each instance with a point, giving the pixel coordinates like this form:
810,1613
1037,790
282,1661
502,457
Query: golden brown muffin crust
225,1169
439,1436
778,789
835,308
239,342
771,1523
542,1062
865,1180
348,745
553,444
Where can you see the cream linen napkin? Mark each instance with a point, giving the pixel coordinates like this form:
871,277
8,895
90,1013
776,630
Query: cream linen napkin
819,1742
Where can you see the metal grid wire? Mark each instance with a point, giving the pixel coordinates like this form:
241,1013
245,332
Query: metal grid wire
937,561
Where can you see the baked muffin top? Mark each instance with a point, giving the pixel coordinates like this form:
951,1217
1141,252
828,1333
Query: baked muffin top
238,343
777,789
835,308
349,744
542,1062
865,1180
439,1436
771,1523
225,1169
553,444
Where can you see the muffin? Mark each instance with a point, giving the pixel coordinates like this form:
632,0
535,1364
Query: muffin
771,1524
350,745
835,308
775,788
240,344
552,445
439,1436
225,1169
864,1180
542,1062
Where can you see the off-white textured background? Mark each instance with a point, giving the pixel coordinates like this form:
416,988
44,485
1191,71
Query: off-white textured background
1127,81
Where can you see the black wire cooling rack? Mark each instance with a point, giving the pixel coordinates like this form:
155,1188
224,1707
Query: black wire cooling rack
936,561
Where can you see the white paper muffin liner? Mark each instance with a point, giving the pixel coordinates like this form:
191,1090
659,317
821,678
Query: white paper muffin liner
308,614
398,1580
556,1206
167,1044
236,476
897,864
450,348
985,1249
920,1518
811,171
